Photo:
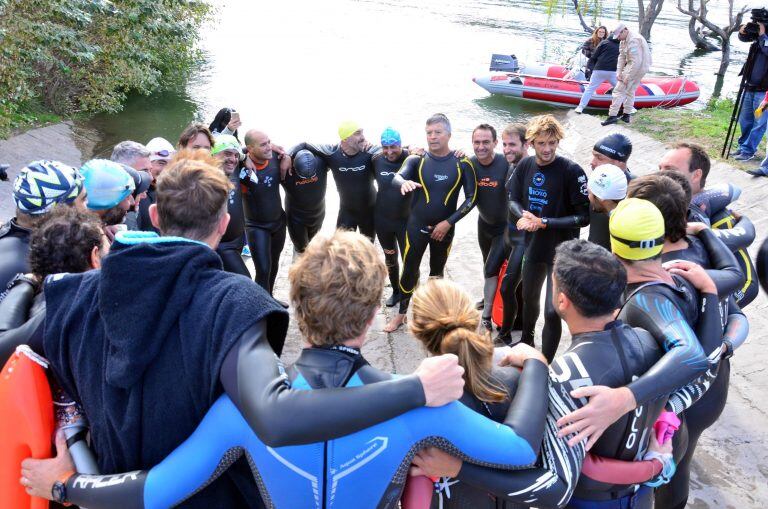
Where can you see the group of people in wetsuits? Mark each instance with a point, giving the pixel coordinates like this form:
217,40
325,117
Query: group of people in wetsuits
652,325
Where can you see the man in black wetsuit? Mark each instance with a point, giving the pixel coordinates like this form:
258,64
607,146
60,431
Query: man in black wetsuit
613,149
150,372
38,187
492,173
228,151
351,164
735,230
435,177
305,198
263,208
607,186
548,195
392,207
515,148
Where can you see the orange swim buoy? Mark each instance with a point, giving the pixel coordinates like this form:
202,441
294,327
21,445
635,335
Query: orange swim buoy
497,312
26,424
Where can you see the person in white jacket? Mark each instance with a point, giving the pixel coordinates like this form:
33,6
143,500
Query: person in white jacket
634,62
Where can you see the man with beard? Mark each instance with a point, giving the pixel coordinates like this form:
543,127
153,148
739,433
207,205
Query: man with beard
110,190
229,154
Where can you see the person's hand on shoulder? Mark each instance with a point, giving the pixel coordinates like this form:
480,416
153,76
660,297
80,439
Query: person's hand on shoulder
518,354
442,379
693,273
605,406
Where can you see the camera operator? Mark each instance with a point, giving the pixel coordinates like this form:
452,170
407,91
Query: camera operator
755,72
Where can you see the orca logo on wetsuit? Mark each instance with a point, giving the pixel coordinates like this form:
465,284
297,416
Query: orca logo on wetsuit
539,179
386,173
353,168
440,178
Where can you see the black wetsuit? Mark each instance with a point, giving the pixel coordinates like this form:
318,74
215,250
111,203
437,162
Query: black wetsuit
22,313
390,214
354,182
491,222
738,235
598,223
557,192
230,247
14,247
264,220
305,205
511,290
316,369
433,202
709,252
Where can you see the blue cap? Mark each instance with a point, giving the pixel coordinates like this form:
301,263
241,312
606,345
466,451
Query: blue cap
106,182
390,137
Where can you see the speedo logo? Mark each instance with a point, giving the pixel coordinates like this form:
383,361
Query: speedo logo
353,168
440,178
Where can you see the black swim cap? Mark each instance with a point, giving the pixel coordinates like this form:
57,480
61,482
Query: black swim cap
305,164
616,146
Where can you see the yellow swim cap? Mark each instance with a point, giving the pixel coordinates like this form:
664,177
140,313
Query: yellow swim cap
347,129
637,230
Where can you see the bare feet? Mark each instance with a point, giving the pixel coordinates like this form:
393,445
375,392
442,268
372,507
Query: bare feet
395,323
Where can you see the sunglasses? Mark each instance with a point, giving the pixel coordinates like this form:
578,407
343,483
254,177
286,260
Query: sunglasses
163,153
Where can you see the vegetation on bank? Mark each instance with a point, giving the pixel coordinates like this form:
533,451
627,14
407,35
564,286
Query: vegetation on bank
68,57
706,127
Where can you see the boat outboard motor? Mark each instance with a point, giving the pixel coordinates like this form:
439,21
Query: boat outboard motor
504,63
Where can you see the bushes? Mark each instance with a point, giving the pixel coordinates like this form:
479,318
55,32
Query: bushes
83,56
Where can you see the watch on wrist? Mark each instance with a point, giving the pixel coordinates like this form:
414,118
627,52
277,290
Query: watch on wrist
59,489
544,222
728,349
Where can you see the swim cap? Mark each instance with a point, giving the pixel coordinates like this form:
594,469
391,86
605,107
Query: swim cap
347,129
390,137
42,184
226,142
637,230
616,146
305,164
608,182
160,148
106,182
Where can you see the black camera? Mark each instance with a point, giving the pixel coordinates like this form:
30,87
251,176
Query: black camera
751,30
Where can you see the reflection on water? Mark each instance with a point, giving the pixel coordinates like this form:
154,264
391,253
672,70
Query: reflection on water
297,68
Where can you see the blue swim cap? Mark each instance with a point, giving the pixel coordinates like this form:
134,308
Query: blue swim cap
106,182
390,137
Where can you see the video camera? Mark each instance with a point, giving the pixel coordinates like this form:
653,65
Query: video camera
751,30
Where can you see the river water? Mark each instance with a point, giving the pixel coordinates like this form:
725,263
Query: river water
297,68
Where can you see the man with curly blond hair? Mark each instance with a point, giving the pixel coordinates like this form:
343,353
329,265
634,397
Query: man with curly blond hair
548,195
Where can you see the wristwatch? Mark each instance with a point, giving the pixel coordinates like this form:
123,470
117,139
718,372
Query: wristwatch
59,489
544,222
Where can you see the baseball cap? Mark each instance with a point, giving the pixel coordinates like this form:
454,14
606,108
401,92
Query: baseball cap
160,148
226,142
42,184
608,182
347,129
616,146
637,230
106,182
390,137
619,28
141,179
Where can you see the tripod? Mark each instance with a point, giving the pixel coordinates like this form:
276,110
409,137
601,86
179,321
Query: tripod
746,71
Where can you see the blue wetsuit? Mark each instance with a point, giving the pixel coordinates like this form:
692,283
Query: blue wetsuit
368,467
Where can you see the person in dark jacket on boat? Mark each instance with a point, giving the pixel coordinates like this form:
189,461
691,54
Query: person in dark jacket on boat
602,63
599,34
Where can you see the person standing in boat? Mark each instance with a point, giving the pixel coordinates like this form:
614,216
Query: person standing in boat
590,45
602,67
634,61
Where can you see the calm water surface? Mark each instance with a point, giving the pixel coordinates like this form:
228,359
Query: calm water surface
297,68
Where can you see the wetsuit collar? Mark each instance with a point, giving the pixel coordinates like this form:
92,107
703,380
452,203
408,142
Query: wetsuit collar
615,324
329,366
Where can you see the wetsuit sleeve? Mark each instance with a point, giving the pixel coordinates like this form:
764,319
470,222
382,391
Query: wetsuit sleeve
254,379
741,236
14,308
16,327
469,183
709,331
578,220
515,193
684,359
29,333
725,271
737,327
321,151
408,171
613,471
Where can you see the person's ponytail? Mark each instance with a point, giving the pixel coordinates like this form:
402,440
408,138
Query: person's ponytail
445,321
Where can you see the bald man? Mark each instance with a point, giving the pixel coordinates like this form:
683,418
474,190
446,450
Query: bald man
263,208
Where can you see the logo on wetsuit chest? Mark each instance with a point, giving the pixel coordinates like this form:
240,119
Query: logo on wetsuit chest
353,168
487,182
440,178
387,173
539,179
583,181
268,181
